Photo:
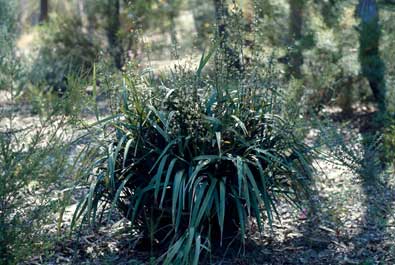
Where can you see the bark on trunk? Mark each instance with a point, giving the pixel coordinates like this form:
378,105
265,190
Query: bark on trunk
113,28
372,65
231,57
43,10
173,36
295,37
83,16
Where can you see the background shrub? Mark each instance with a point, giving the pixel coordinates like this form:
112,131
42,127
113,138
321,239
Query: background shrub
63,50
10,69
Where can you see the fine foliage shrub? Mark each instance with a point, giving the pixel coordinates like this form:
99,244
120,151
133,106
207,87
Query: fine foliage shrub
32,159
195,157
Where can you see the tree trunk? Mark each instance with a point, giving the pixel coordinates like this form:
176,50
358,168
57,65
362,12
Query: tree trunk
372,65
173,36
203,15
43,11
295,37
231,58
113,28
81,10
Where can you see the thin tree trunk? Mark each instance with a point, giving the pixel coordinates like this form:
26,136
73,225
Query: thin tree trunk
43,11
295,37
173,36
221,14
372,65
82,15
199,13
113,28
231,57
90,18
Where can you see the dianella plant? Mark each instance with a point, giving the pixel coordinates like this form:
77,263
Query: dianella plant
195,156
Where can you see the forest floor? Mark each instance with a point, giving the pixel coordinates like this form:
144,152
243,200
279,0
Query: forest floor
351,222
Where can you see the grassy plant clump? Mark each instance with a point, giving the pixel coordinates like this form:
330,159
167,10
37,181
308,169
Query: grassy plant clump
195,157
